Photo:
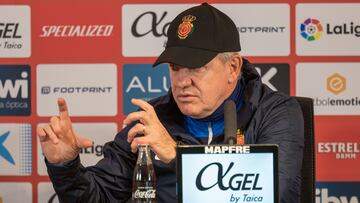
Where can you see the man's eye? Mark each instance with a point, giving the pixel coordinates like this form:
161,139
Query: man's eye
198,70
174,68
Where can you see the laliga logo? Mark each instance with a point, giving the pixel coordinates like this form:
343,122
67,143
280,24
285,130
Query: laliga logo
311,29
336,83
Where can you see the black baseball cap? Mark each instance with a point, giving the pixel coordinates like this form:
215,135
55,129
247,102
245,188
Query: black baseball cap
197,35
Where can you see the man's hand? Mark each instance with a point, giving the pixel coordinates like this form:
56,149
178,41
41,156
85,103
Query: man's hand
58,140
154,132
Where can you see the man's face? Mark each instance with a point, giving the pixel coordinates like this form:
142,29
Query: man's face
199,92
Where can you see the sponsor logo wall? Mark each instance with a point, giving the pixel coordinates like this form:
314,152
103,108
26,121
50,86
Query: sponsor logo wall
144,82
333,86
326,34
46,193
99,55
93,94
147,24
87,33
15,91
15,149
14,192
327,192
15,32
275,76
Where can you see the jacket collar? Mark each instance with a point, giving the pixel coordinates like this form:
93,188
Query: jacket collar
252,94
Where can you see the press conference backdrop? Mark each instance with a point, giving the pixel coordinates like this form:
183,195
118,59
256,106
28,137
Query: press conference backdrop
98,55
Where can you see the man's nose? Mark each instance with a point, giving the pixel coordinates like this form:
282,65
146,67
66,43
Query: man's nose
183,77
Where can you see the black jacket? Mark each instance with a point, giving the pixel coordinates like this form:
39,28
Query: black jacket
266,117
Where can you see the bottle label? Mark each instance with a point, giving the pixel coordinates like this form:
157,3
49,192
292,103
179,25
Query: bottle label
145,193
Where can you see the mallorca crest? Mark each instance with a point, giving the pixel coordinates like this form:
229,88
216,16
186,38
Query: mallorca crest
186,27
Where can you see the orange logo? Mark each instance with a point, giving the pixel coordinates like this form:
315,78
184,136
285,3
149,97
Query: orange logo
186,27
240,138
336,83
1,200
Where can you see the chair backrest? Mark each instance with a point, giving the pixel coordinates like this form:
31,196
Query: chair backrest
308,165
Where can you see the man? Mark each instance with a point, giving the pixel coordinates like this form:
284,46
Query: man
205,70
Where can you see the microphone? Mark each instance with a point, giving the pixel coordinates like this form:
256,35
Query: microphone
230,122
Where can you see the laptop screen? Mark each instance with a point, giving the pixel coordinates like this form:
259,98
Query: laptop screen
227,173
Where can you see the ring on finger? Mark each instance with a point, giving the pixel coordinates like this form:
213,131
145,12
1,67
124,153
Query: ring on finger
143,129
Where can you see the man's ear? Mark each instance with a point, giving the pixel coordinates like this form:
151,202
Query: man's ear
235,67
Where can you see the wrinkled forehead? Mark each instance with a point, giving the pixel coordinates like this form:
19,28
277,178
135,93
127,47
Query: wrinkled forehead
217,57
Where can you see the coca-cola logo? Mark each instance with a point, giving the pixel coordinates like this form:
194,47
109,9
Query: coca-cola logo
237,181
153,28
145,194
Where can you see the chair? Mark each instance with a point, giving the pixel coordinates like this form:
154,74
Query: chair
308,166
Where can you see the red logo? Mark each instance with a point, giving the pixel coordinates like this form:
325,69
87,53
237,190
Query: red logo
240,137
79,33
186,27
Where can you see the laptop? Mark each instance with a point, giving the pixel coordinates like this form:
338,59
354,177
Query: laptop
227,173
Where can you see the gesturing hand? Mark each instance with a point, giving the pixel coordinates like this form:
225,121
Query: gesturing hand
154,132
58,140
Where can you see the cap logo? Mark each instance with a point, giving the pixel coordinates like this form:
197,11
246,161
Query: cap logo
186,27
